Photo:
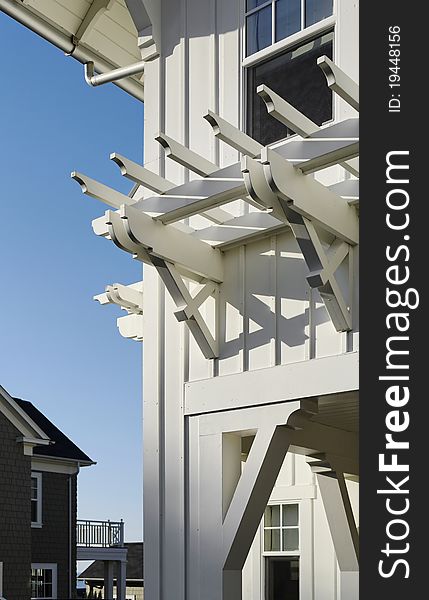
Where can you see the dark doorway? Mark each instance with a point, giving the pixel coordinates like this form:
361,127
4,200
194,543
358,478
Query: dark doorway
282,578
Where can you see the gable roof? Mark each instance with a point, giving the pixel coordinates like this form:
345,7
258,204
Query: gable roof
62,447
134,565
20,419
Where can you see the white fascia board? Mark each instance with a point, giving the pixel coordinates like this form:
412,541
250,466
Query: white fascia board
95,553
306,379
40,463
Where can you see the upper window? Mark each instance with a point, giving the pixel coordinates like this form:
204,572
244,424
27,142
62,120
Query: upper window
281,528
43,581
36,499
269,21
296,77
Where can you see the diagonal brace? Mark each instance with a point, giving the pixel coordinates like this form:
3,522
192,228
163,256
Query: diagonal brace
323,266
188,306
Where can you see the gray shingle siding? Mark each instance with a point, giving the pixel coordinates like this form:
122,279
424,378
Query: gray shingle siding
15,532
50,543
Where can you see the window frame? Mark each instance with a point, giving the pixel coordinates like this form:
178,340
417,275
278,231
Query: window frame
295,41
294,38
291,553
264,579
48,567
38,476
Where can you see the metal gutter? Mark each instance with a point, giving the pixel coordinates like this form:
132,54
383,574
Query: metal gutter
65,43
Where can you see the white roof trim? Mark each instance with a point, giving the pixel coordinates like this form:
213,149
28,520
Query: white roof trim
19,418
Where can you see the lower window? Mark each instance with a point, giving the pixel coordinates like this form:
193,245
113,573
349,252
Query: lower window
281,578
43,581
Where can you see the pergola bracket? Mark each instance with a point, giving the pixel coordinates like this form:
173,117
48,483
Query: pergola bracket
339,82
188,306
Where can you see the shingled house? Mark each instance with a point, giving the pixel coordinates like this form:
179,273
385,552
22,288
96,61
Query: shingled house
93,576
39,466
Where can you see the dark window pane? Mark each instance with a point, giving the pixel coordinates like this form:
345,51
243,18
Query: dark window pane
316,10
296,77
282,578
258,28
254,3
288,18
33,511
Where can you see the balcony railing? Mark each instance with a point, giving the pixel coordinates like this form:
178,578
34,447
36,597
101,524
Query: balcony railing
100,534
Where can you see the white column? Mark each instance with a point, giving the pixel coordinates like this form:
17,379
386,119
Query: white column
108,580
343,531
121,581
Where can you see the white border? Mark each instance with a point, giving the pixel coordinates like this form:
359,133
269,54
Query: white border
54,568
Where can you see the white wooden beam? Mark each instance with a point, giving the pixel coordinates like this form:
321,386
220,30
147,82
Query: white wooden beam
330,153
284,112
339,82
156,183
141,175
310,198
223,191
186,157
238,228
129,297
232,136
137,233
317,377
102,192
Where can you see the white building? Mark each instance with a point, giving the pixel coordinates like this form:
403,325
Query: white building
250,317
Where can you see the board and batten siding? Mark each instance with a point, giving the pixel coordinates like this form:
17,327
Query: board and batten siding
267,313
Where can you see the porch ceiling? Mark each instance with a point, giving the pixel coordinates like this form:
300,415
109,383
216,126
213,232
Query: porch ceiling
339,410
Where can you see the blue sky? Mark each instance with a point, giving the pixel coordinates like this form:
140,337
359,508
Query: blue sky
60,349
